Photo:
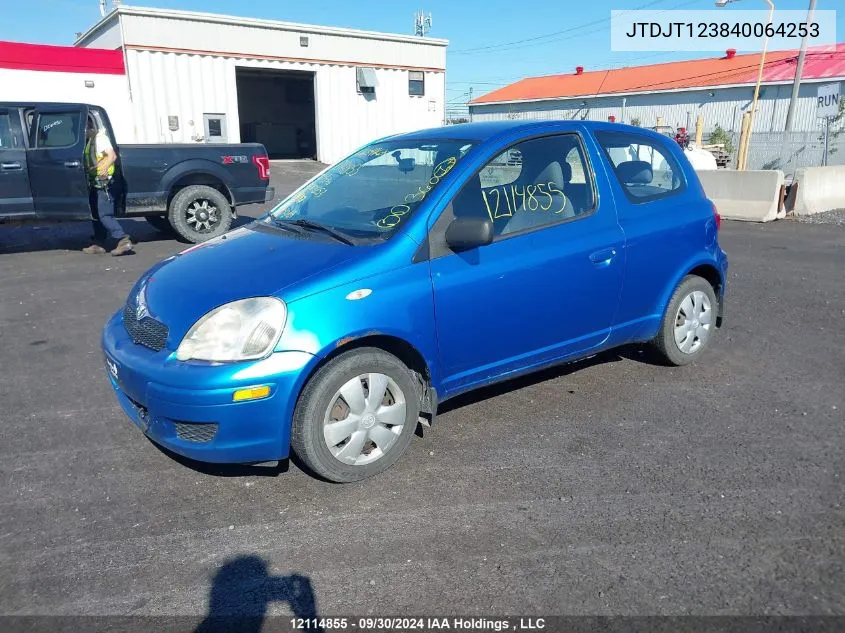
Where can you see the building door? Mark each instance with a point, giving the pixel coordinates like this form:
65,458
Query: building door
215,128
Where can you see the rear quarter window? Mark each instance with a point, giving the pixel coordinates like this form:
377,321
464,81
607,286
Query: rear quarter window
645,169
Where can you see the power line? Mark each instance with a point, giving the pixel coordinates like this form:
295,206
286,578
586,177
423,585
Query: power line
532,41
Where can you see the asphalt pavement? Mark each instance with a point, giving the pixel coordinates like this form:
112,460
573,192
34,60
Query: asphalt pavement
612,486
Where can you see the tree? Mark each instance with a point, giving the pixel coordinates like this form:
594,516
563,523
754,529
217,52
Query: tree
721,137
836,127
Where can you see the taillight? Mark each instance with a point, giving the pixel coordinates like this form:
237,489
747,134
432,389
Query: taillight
263,164
717,216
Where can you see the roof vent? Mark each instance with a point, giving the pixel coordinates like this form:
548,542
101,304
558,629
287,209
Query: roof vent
579,70
731,53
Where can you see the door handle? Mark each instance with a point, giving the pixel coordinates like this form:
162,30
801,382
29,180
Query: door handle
10,166
72,164
603,256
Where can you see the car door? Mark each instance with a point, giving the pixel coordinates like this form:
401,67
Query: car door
547,287
15,194
56,172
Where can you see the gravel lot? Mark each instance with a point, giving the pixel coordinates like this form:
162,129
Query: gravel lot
609,487
837,216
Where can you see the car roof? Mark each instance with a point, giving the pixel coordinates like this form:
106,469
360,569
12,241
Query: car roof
487,130
34,104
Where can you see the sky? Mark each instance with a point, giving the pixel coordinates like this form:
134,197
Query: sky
491,42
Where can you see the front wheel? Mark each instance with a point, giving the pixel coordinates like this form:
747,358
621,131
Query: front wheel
199,213
689,322
356,416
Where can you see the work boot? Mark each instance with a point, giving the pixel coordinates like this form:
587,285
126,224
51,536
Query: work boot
123,246
94,249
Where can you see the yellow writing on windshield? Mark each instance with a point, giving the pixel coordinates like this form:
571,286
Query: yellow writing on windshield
440,170
535,197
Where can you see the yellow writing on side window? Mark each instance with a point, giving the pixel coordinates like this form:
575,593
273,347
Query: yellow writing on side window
395,216
536,197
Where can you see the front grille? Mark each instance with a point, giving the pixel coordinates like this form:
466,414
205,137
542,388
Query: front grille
191,432
147,332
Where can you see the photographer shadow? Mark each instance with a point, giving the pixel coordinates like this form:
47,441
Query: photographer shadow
242,591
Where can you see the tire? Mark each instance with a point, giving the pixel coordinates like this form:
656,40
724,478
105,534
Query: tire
321,403
684,349
205,205
159,223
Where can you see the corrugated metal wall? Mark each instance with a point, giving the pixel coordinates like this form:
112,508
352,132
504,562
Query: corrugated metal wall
188,86
724,106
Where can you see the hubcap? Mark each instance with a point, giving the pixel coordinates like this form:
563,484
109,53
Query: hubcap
202,216
364,420
693,322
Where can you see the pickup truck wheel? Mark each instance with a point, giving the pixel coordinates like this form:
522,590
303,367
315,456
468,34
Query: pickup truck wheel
199,213
356,416
689,322
159,223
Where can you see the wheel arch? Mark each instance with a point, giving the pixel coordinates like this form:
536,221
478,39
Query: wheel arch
200,178
395,345
707,270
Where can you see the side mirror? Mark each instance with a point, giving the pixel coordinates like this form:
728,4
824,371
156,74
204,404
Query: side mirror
466,233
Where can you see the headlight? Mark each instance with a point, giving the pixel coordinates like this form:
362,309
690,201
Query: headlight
241,330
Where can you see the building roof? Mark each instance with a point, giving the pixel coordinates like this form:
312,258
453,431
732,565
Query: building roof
198,16
727,70
61,59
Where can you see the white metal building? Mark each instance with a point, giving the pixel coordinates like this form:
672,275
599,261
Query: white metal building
719,89
301,90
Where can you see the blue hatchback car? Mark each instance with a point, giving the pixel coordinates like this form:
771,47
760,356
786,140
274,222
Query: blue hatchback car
419,267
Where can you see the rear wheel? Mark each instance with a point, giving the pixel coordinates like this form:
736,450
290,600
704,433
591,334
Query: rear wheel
689,322
356,416
159,223
199,213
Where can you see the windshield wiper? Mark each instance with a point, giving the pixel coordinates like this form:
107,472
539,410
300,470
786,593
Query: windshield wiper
287,225
308,224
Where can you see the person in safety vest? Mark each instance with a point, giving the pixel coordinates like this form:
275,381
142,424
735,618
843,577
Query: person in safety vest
99,160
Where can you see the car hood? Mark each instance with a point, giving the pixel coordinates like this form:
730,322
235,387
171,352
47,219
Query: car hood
247,262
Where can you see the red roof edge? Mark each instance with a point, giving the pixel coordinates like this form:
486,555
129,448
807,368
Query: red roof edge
61,59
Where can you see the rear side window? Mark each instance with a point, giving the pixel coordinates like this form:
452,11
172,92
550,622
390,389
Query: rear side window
645,169
6,140
57,129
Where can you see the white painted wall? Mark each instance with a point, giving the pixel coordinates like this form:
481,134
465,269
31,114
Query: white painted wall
187,86
109,92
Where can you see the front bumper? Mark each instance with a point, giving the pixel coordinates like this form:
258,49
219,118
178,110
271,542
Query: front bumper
188,407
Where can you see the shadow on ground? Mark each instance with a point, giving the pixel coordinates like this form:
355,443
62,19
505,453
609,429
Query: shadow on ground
242,591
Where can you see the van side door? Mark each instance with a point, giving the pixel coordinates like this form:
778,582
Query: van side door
15,194
55,159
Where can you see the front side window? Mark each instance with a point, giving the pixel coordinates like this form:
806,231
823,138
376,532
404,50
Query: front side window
375,190
5,131
535,183
645,170
57,129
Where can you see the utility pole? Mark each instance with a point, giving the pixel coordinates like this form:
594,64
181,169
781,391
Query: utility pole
469,108
799,71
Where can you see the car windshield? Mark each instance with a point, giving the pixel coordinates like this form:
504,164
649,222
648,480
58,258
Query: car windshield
373,191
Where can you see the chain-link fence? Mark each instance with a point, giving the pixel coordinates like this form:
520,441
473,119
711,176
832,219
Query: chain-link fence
789,151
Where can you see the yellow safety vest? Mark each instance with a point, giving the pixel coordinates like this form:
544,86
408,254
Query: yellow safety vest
91,164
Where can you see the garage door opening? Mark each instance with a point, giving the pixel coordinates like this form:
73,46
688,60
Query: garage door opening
276,108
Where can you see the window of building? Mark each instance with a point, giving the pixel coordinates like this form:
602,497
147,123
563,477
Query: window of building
530,186
6,140
646,170
57,129
303,40
416,83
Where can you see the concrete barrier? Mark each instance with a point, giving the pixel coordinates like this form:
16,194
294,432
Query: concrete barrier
753,196
816,190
